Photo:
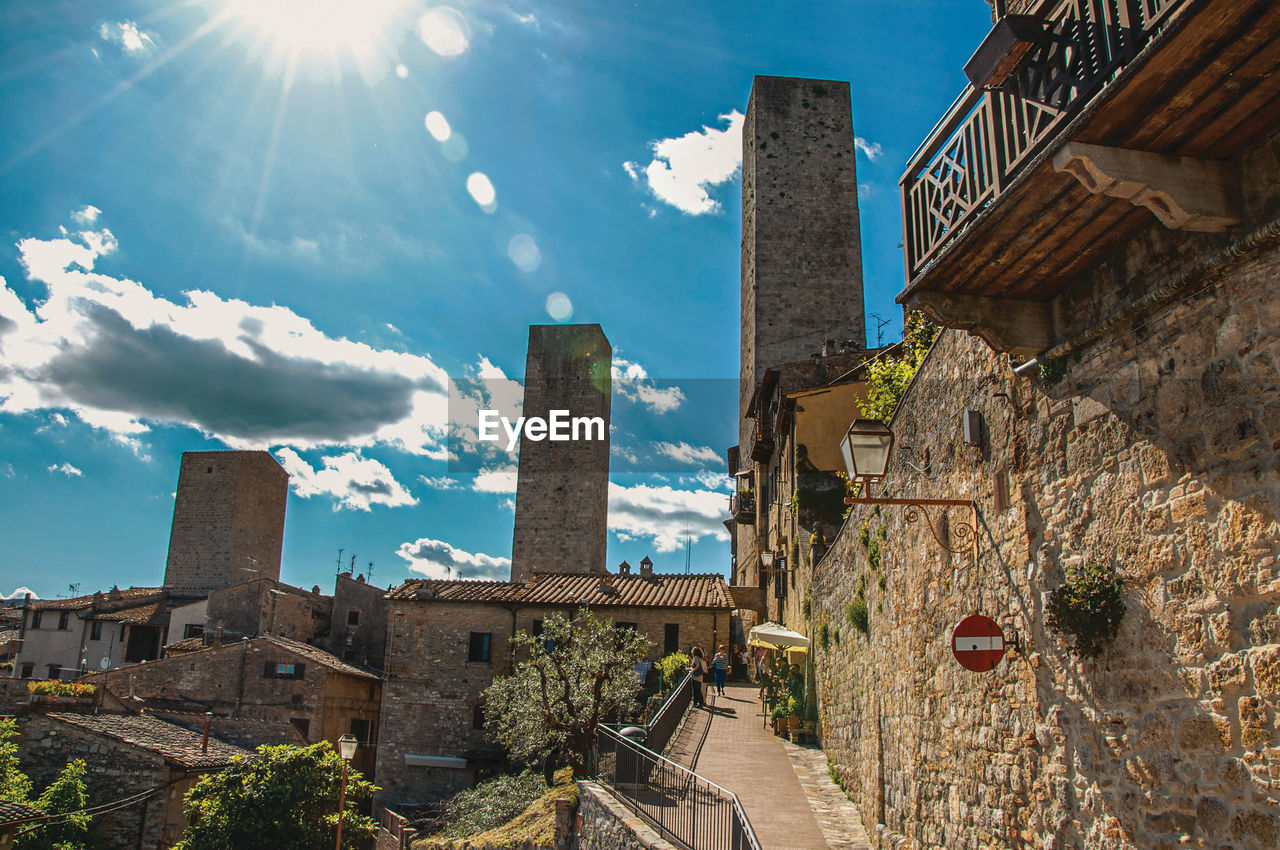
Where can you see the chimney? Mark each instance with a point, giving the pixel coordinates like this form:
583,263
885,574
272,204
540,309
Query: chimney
646,566
624,569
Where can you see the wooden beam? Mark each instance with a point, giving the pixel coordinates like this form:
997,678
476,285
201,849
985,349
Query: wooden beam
1184,193
1023,328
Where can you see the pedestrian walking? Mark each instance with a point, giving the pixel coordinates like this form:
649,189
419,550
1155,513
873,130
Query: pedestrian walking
720,668
698,671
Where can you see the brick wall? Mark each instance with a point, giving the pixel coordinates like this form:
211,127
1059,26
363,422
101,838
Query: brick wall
431,688
228,520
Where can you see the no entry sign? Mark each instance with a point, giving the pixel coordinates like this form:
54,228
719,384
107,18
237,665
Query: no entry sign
977,642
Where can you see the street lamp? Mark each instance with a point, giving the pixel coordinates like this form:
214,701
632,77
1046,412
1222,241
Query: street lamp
347,750
866,447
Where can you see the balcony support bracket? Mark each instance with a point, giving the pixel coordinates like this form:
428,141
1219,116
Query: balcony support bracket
1019,327
1184,193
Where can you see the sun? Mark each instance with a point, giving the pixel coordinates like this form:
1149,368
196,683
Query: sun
327,27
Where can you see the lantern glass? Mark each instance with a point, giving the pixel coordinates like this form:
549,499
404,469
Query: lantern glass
347,747
866,448
766,558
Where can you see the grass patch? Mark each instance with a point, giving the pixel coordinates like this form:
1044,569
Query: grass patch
493,813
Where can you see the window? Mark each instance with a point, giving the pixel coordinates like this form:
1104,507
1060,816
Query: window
95,630
631,626
28,670
353,617
670,638
64,620
191,630
283,670
360,730
53,671
477,716
35,619
479,649
303,725
548,645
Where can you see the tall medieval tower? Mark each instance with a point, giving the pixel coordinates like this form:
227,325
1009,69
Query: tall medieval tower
562,491
801,244
228,521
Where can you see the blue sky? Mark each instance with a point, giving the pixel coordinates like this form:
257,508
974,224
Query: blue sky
283,225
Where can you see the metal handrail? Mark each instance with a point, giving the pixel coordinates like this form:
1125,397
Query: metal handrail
688,809
661,723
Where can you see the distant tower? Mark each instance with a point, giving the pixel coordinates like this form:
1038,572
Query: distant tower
562,491
228,521
801,245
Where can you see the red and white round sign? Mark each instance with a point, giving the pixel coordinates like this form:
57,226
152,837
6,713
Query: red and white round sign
977,642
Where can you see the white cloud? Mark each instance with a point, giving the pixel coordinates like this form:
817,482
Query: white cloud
685,453
871,149
632,382
66,469
495,481
442,482
19,593
353,482
86,217
121,358
685,167
127,35
661,514
438,559
709,479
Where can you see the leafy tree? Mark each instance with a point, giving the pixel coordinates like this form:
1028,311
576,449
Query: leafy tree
577,673
15,787
286,796
889,377
64,800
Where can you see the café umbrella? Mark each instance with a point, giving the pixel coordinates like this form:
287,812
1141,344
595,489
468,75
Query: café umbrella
774,636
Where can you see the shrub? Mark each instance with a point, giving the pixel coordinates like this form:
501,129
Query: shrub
61,689
490,804
673,667
824,637
889,377
793,707
858,616
779,712
1087,608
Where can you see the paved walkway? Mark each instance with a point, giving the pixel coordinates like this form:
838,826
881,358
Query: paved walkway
788,796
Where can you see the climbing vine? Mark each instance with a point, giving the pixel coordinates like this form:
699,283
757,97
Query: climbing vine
889,377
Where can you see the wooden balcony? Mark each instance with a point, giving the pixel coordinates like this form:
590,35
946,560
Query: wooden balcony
1009,200
742,506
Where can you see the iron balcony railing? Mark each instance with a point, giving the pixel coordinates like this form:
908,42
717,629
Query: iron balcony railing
986,138
687,809
661,723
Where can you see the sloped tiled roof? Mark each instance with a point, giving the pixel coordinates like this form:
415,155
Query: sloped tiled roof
318,656
13,813
75,603
659,590
150,613
186,645
148,733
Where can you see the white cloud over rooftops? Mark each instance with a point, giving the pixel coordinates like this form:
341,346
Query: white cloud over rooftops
684,168
665,514
438,559
122,358
353,482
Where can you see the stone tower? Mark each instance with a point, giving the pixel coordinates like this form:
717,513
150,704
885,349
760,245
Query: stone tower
562,491
228,521
801,248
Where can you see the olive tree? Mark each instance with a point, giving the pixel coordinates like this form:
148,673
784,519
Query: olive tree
578,672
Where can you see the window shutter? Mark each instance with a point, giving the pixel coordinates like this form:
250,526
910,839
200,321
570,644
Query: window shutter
299,671
269,670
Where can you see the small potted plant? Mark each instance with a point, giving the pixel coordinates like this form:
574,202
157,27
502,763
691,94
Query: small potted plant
779,717
793,715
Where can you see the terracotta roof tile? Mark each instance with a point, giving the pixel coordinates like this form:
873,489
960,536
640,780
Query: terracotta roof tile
319,656
186,645
148,733
75,603
659,590
150,613
15,813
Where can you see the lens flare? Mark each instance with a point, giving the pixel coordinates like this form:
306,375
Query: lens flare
524,252
559,307
482,191
438,126
445,31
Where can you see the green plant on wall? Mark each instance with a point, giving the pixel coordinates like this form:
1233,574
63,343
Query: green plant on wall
806,607
793,553
889,377
1052,371
824,636
858,616
1087,608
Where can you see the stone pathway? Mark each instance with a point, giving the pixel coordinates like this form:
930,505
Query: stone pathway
789,798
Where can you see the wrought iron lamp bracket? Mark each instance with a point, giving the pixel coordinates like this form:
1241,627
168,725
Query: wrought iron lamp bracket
915,509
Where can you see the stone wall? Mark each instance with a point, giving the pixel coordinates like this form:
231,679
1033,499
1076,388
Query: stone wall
266,607
431,689
1156,453
606,823
114,770
228,520
364,641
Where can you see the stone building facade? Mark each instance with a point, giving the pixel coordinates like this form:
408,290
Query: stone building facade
448,640
228,521
801,242
125,756
358,625
562,491
61,637
268,679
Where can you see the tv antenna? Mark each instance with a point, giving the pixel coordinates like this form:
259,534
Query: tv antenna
880,326
353,563
370,575
340,551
